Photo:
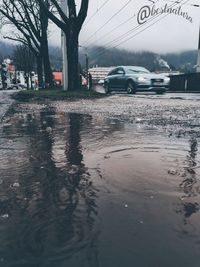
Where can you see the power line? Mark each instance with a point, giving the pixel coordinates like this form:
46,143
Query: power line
132,29
178,2
137,27
122,8
94,14
116,28
146,28
103,52
103,36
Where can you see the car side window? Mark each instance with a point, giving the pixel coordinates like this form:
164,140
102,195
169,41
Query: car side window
120,71
116,72
113,72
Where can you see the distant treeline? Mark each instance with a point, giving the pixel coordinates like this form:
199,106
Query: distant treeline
6,50
99,56
184,61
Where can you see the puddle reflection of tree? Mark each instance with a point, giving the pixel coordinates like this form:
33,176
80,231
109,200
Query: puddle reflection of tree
190,185
58,218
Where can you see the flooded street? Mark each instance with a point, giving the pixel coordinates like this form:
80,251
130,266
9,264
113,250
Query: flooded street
101,183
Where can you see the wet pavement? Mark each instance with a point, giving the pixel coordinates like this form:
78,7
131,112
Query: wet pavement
5,102
107,182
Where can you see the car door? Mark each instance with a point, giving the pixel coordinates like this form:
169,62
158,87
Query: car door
120,78
116,79
112,78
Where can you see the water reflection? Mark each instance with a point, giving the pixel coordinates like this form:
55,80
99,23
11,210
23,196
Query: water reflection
73,148
190,184
52,213
55,211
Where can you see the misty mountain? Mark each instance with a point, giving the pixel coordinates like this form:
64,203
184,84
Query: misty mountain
99,56
184,60
6,50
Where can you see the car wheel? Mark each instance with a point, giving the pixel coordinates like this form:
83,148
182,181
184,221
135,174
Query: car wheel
107,88
130,88
159,92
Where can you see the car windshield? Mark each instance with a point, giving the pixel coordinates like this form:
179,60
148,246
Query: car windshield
136,70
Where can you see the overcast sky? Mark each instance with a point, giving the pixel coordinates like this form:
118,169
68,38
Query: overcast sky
170,33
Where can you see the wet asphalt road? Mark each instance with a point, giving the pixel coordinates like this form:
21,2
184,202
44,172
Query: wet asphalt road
5,102
107,182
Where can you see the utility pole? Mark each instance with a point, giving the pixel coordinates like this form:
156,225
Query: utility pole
198,56
86,65
87,69
64,7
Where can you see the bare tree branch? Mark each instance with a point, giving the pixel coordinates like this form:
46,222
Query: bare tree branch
32,23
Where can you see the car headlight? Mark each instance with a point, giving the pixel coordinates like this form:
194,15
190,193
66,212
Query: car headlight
142,79
166,79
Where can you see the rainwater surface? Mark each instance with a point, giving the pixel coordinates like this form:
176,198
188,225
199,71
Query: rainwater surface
86,189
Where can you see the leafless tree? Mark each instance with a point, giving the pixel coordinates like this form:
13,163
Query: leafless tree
70,21
24,61
31,23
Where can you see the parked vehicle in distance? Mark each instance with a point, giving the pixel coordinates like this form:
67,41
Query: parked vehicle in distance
134,79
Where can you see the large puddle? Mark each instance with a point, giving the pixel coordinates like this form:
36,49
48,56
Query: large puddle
87,191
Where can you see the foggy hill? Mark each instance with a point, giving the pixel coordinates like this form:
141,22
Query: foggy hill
177,61
99,56
187,59
6,50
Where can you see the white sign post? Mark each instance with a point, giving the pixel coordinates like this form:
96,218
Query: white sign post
198,56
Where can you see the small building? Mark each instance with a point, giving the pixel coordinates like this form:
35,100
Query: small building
99,73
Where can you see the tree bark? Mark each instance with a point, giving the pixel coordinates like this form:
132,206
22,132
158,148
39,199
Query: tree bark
45,49
73,62
40,72
46,62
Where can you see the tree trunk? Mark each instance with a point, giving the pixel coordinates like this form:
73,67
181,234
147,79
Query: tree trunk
27,80
40,71
73,68
46,63
30,78
45,51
